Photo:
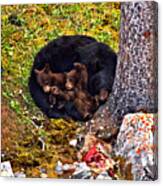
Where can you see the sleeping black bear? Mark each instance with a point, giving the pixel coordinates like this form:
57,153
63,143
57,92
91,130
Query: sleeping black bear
59,56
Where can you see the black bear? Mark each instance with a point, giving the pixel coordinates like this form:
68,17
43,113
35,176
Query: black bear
60,55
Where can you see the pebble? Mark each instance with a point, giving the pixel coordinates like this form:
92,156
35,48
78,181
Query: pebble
73,142
59,168
6,169
20,175
43,175
103,175
67,167
101,127
92,121
102,115
82,171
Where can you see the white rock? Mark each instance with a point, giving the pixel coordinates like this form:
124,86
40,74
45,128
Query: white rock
6,169
73,142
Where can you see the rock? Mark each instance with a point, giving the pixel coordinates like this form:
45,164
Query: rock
20,175
82,171
73,142
68,167
137,143
59,168
6,169
103,176
43,175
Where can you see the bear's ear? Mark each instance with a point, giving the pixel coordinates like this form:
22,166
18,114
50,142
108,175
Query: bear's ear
37,71
77,65
46,68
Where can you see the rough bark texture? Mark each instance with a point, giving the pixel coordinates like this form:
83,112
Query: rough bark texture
135,85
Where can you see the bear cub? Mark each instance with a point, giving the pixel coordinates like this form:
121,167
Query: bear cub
68,86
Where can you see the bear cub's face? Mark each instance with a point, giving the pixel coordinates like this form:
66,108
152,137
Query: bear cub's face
47,79
77,77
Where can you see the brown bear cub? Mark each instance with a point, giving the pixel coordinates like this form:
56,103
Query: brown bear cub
47,79
51,83
77,77
77,80
70,86
75,90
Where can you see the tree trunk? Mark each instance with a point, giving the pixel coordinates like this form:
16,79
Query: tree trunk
135,85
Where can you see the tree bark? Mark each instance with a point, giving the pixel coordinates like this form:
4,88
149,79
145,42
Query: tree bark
135,84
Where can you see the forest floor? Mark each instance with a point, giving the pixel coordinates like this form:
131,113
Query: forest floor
30,141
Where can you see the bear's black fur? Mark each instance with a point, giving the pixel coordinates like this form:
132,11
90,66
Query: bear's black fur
60,54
